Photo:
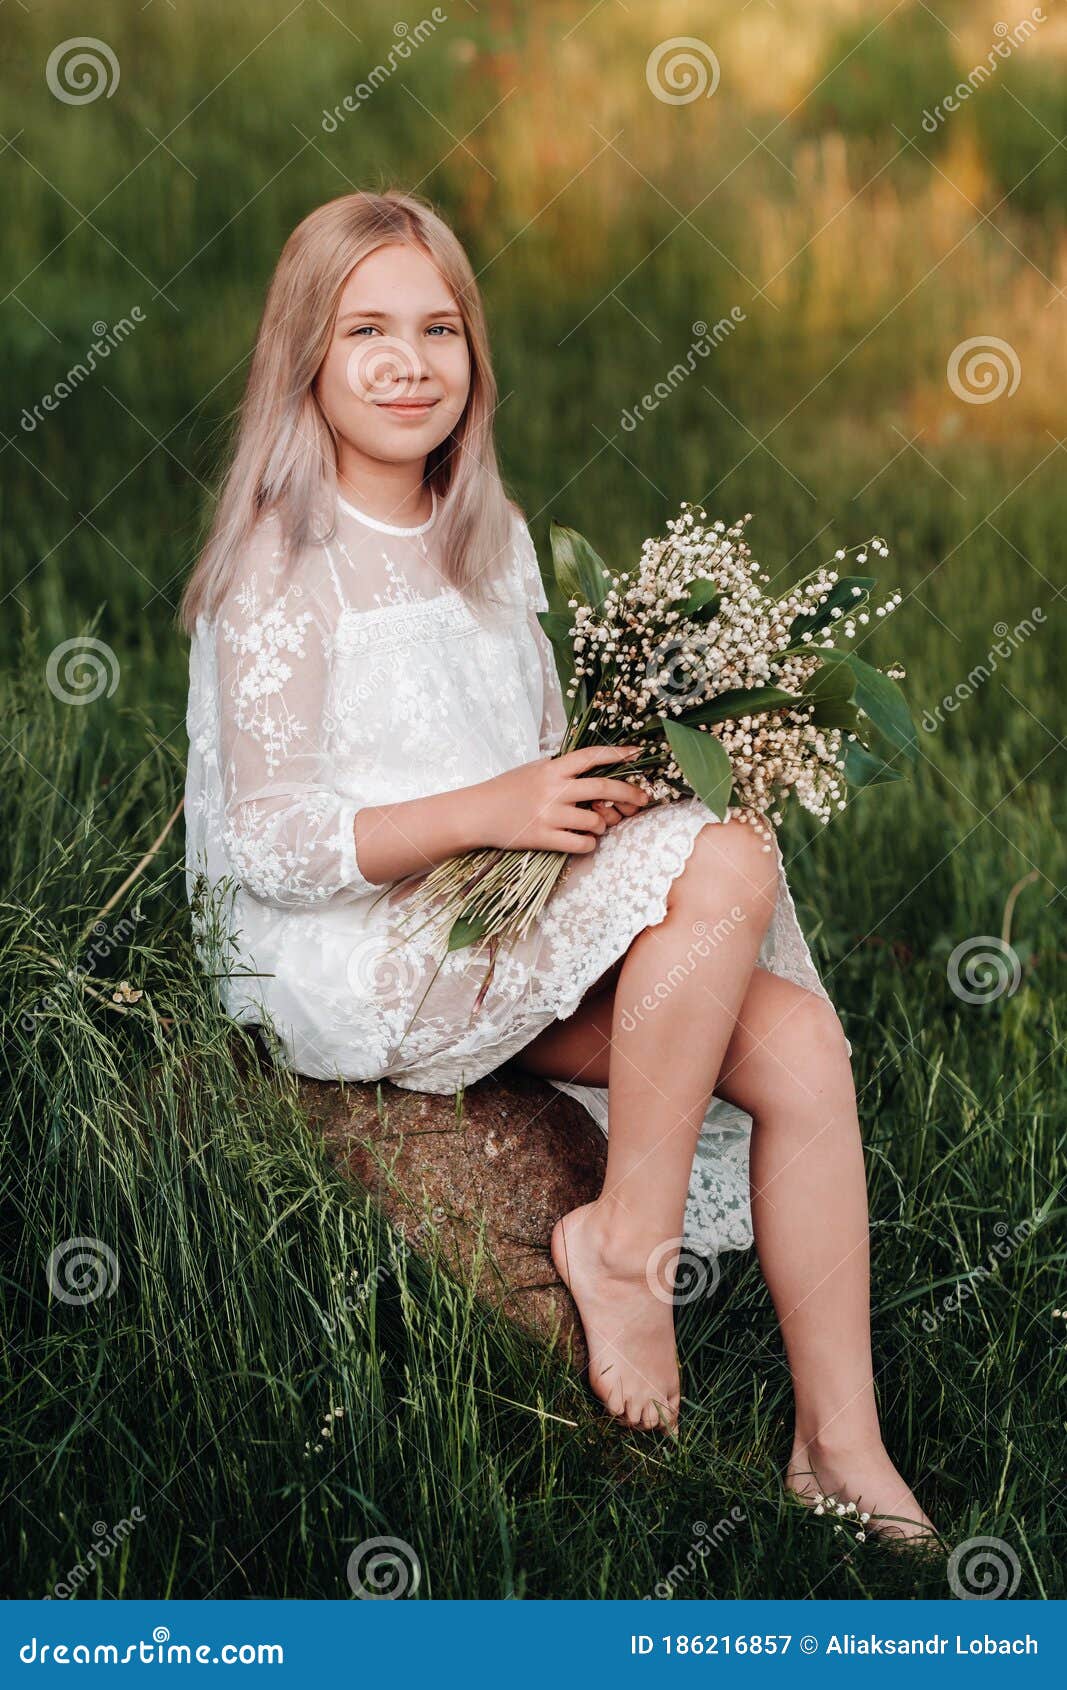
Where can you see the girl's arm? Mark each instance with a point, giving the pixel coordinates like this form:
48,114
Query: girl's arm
292,837
537,806
287,830
534,806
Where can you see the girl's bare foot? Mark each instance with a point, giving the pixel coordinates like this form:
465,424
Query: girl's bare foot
832,1476
629,1327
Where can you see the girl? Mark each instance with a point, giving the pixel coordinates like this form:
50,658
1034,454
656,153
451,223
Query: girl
370,693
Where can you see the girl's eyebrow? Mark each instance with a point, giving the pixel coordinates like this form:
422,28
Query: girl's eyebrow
446,311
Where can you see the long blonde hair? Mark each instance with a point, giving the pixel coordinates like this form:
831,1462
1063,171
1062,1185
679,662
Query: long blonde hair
284,456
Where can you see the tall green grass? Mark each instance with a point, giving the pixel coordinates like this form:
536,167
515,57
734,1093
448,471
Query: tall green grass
195,1389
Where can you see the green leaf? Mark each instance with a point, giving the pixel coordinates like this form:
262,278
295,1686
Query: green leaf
739,701
863,768
840,597
704,763
836,713
831,683
879,697
466,930
557,625
700,602
882,700
581,574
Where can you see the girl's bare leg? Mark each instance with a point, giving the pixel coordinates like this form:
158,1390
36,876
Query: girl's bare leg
787,1066
666,1049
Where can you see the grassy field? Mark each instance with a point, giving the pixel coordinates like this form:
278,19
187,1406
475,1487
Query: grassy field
176,1417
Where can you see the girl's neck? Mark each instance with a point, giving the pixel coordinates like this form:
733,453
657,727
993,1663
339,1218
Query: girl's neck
392,493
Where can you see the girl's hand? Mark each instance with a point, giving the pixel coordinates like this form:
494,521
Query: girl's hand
555,803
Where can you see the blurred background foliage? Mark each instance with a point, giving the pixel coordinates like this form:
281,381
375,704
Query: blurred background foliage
858,248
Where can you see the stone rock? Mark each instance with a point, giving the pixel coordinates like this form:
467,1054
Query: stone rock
505,1165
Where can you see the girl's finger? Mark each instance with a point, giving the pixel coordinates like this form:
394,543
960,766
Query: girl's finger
578,843
602,786
578,818
591,756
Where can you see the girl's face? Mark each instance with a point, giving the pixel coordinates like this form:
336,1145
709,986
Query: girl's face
395,379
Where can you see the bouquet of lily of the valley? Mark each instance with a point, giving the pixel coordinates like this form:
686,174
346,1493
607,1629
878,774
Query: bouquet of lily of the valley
737,696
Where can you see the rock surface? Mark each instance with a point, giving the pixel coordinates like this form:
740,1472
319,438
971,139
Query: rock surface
515,1156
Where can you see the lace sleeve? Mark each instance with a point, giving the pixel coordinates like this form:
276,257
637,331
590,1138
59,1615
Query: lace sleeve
553,707
288,832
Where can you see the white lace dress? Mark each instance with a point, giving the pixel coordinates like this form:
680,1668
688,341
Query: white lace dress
358,676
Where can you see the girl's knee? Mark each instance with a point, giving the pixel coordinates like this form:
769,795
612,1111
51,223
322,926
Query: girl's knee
728,867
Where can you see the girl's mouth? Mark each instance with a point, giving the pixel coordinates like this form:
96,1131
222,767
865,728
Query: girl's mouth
408,407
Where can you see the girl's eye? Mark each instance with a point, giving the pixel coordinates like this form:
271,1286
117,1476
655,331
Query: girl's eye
364,328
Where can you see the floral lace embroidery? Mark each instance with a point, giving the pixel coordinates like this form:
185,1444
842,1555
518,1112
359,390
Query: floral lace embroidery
265,638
